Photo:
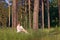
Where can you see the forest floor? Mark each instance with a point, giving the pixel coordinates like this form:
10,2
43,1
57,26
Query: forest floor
11,34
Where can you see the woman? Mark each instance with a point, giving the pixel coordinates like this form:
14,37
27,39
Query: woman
20,28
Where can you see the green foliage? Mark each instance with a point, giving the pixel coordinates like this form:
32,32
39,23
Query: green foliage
54,3
3,14
54,12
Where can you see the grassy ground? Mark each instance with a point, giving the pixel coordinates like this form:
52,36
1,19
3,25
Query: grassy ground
11,34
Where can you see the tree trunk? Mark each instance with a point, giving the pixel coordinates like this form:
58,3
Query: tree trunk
9,15
48,14
26,13
42,14
14,14
35,14
29,13
59,10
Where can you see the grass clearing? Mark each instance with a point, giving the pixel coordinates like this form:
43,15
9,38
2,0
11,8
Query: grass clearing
11,34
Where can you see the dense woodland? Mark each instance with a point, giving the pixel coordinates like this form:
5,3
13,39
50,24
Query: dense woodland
31,13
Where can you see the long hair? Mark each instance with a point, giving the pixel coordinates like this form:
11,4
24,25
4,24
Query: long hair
18,23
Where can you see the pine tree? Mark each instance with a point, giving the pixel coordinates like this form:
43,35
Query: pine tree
35,14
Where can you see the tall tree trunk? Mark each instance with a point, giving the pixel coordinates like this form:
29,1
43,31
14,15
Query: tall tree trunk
29,13
26,13
59,10
48,14
35,14
42,14
14,14
9,15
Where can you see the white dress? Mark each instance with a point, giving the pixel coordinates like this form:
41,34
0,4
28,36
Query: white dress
19,28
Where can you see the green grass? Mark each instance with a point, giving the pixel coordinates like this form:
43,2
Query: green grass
11,34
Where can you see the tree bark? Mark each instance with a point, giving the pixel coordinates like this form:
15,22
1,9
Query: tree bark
48,14
42,14
26,14
14,14
9,15
29,13
59,10
35,14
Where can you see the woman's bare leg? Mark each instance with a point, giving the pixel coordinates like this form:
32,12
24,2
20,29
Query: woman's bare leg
24,31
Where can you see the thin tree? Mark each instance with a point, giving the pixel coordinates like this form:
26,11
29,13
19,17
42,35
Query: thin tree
9,15
35,14
48,14
26,13
42,14
59,10
29,2
9,4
